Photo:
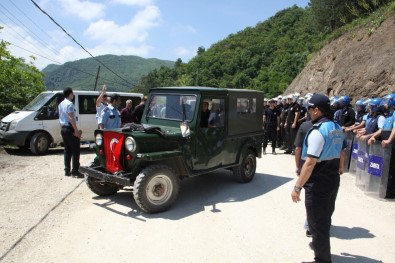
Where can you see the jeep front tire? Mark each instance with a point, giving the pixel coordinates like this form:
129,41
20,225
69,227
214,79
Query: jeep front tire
156,188
245,172
101,188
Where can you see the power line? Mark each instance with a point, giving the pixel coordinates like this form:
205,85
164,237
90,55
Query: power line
23,38
18,21
42,30
127,82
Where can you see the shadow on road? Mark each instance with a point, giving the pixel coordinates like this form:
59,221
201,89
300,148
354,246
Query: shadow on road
200,193
52,151
347,233
349,258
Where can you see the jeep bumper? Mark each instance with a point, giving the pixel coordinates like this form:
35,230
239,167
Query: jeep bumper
118,178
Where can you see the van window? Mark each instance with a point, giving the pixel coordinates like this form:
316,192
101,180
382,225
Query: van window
87,104
38,102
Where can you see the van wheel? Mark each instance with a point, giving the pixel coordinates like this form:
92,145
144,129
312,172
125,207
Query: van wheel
101,188
245,172
156,188
39,143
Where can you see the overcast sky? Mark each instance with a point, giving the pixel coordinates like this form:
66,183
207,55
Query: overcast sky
161,29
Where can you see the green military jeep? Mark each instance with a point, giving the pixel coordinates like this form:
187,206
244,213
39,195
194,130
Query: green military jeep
185,131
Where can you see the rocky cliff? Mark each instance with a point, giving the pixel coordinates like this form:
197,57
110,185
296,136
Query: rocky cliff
360,64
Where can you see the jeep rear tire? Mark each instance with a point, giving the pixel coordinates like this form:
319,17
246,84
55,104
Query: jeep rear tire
245,172
39,143
101,188
156,188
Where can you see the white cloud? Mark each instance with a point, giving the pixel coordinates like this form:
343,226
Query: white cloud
84,9
184,52
133,2
136,31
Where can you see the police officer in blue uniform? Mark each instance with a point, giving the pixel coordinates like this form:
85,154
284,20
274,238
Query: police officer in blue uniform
320,175
110,117
70,134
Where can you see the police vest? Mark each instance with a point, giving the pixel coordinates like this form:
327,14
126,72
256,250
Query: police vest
388,126
334,137
372,126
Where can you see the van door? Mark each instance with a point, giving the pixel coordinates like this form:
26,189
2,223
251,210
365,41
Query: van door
86,113
49,115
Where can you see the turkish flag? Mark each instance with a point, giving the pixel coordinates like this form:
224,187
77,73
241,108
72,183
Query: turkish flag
113,142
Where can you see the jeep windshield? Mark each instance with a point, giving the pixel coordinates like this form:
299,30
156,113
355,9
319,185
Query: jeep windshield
38,102
172,107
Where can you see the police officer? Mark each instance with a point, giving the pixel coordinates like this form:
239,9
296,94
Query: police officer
70,134
376,122
271,122
101,103
320,175
291,124
347,117
283,119
110,117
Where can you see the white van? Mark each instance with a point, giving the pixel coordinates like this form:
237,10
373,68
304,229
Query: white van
37,125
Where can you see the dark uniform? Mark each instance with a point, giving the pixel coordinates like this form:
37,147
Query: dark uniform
283,119
291,132
279,108
270,127
347,117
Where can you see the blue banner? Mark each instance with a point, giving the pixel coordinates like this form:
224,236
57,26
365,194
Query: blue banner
375,165
361,160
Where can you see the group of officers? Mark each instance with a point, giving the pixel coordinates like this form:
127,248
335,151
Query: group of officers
370,119
313,128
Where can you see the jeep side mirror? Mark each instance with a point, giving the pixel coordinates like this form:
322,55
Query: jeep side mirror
185,131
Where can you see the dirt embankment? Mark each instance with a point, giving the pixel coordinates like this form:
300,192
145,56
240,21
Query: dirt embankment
360,64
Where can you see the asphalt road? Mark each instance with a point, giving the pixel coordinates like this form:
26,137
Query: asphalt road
46,217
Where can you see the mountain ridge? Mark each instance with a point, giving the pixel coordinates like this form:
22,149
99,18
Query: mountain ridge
81,74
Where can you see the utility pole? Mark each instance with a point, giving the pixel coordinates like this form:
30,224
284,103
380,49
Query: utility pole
97,77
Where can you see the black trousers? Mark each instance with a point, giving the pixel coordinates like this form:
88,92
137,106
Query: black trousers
71,149
270,134
320,205
291,136
283,136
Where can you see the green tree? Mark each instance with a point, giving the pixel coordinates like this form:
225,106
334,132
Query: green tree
332,14
20,82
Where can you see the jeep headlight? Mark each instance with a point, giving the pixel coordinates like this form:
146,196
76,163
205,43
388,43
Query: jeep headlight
130,144
13,125
99,139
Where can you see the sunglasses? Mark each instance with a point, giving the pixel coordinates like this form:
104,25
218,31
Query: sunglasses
311,107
